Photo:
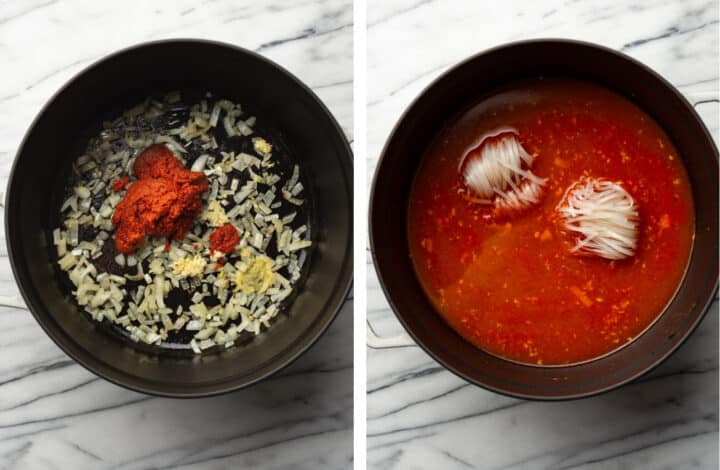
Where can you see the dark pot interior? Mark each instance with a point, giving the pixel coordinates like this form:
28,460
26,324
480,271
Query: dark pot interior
60,133
464,85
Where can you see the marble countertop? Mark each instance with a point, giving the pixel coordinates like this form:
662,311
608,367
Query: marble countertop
421,416
54,413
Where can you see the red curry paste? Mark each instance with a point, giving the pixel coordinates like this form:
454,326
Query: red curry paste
164,201
224,239
510,285
120,183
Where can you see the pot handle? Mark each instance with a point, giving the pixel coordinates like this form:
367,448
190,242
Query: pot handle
698,97
375,341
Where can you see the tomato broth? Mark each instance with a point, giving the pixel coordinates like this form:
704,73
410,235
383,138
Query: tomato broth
509,284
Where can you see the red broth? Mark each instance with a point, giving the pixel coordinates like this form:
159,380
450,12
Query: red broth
509,285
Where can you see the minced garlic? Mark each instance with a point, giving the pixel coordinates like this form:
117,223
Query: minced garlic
189,267
255,277
262,146
215,214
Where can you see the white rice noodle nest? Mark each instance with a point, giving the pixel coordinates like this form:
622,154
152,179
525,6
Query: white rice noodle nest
501,174
604,217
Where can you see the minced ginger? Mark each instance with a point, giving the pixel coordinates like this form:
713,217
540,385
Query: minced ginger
215,215
189,267
254,276
262,146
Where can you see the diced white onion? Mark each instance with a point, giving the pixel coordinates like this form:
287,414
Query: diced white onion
199,163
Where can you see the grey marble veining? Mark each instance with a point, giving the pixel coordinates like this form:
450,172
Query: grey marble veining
55,414
421,416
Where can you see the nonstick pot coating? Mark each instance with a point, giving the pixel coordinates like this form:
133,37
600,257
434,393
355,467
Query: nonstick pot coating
59,135
466,84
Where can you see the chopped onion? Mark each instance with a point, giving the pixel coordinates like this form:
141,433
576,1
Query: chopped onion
82,192
228,122
297,189
171,143
205,333
206,344
199,163
73,234
70,203
214,115
244,128
299,245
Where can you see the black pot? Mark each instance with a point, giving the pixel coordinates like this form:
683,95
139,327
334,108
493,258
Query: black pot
464,85
60,132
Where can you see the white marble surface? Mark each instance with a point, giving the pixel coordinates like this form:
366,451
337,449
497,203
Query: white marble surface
55,414
422,417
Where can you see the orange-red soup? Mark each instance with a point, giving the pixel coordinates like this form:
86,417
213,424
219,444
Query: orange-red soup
510,285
